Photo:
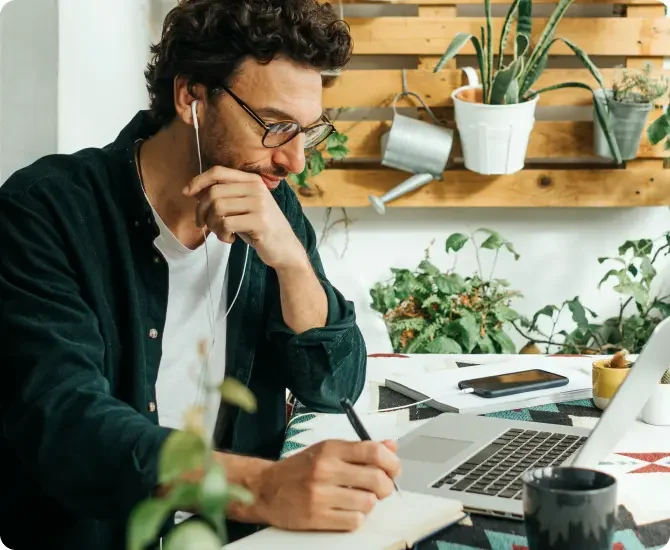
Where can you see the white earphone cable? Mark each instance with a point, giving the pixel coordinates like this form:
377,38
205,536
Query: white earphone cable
212,316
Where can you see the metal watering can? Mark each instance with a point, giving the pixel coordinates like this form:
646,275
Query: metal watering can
414,146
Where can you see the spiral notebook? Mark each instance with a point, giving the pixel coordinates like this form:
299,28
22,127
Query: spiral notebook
396,523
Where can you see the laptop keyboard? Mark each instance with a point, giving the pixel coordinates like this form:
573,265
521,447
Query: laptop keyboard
496,470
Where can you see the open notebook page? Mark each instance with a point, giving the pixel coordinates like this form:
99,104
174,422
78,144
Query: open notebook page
396,523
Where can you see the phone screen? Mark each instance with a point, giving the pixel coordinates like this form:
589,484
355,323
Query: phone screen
511,380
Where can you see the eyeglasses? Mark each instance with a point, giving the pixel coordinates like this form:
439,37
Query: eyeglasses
280,133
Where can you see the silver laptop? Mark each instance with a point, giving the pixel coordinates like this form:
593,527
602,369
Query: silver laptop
479,460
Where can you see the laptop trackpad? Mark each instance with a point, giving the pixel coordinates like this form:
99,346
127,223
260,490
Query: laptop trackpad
433,449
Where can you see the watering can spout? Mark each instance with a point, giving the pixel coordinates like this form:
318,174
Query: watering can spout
410,184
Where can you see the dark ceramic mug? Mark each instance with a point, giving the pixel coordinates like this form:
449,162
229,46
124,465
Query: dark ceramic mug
569,509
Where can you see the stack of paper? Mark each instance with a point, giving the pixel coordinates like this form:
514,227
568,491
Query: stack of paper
441,387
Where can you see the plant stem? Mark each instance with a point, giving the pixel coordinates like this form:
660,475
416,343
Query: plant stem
620,323
659,251
479,263
493,267
324,232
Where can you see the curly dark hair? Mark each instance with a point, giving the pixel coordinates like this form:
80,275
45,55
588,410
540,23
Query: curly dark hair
207,40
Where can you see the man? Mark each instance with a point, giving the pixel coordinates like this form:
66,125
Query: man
120,265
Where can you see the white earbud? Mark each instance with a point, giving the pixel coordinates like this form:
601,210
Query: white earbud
194,110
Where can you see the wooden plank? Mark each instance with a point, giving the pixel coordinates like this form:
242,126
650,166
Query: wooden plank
353,88
649,12
528,188
549,140
437,11
597,35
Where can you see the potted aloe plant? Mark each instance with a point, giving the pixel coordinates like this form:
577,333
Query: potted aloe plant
495,118
628,103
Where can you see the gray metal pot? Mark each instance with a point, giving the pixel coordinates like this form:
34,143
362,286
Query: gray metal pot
627,120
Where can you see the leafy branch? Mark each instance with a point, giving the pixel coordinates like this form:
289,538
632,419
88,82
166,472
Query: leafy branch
428,311
185,454
634,276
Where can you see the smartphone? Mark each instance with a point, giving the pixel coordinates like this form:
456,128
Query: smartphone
514,382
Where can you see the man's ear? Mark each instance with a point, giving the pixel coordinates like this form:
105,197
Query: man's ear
185,93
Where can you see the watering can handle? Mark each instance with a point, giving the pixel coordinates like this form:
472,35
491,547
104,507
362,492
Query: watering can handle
471,74
418,97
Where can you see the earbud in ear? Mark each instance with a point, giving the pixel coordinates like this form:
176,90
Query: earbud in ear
194,110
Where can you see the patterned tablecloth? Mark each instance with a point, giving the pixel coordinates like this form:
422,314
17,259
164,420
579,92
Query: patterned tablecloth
641,462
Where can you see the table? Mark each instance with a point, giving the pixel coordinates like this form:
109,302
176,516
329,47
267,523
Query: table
641,461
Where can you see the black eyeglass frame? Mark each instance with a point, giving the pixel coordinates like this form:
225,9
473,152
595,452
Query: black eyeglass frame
325,121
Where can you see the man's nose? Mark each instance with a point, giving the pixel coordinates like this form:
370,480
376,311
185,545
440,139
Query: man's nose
291,155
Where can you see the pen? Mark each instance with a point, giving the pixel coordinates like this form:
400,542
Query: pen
357,425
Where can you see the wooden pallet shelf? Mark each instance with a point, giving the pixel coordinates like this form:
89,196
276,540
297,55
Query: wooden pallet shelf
643,186
575,178
431,36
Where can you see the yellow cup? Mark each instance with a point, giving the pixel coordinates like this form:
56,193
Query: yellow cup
606,382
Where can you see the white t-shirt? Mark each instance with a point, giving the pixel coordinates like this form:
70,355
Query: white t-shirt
188,326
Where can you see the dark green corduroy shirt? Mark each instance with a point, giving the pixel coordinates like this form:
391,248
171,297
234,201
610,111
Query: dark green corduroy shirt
83,293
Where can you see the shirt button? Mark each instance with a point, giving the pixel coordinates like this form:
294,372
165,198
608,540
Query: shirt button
153,333
152,406
157,260
137,224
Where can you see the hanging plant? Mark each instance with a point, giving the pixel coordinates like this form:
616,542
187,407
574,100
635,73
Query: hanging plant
315,163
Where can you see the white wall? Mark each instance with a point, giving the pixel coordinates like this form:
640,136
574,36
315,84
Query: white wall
28,82
103,53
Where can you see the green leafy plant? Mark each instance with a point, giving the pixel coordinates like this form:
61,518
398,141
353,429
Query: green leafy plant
638,86
660,130
185,452
634,272
315,163
427,311
505,84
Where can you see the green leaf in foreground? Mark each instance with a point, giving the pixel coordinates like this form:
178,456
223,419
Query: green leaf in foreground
455,242
192,535
182,452
145,523
213,495
234,392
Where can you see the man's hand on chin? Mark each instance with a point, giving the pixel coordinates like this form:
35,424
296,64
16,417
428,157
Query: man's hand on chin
236,202
331,486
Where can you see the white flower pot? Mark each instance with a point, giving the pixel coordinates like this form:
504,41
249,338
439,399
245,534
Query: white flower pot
494,138
657,409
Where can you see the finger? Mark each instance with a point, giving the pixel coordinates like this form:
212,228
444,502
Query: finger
391,445
230,190
365,478
371,453
216,224
220,208
345,498
244,223
337,520
219,174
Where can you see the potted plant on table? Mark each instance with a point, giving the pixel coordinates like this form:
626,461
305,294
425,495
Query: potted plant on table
495,119
628,104
428,311
607,376
641,309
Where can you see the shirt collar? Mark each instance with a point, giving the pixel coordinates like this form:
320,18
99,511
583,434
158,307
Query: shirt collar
138,210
